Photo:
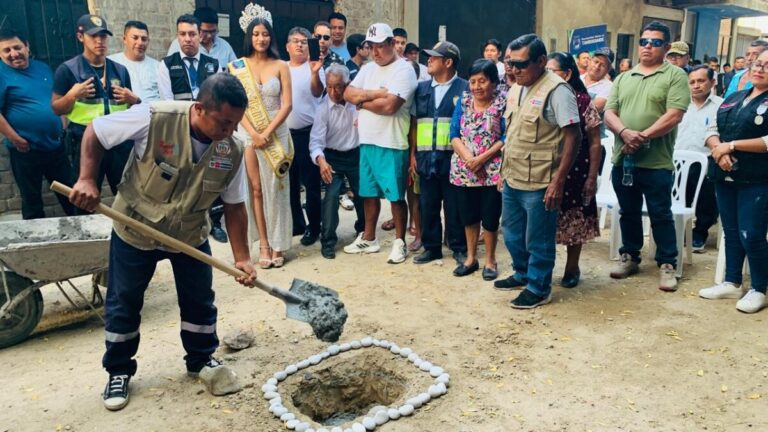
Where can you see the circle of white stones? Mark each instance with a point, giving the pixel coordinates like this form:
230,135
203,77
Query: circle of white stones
368,423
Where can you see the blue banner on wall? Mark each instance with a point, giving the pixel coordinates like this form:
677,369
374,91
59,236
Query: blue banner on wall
588,38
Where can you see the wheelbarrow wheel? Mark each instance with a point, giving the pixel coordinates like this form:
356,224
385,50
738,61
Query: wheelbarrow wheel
25,316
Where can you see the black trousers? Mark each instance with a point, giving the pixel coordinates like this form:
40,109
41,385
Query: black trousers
216,212
304,172
706,206
437,193
30,167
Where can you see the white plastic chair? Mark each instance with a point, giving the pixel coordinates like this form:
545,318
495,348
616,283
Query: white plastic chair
605,197
682,214
720,267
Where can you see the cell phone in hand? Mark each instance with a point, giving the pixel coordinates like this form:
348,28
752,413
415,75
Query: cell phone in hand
314,49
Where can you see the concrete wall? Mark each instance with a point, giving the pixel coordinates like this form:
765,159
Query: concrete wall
362,13
556,17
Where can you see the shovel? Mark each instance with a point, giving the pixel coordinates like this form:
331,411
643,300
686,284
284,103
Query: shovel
302,300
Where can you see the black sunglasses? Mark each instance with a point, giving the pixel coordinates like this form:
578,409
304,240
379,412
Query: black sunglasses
323,37
518,64
656,43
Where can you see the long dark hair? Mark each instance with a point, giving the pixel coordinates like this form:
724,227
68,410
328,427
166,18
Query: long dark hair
567,63
248,42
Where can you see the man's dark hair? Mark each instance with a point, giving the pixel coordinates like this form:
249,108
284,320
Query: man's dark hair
657,27
567,63
248,40
338,16
354,41
710,72
207,15
321,23
536,48
9,33
494,42
696,62
487,68
727,65
299,30
759,43
189,19
583,52
400,32
219,89
410,46
135,24
739,58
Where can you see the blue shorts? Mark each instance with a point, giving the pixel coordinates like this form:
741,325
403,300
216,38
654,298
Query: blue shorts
383,172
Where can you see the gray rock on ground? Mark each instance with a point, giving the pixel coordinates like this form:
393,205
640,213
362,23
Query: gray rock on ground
240,340
220,381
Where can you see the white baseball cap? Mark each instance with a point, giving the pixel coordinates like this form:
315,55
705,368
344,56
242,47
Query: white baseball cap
378,33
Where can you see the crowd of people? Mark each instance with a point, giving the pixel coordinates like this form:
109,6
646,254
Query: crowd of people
514,147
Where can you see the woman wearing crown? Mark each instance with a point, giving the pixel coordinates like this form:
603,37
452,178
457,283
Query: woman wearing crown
269,150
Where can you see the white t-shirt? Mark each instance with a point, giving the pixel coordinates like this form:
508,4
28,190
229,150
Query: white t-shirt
390,131
600,89
143,76
133,124
304,104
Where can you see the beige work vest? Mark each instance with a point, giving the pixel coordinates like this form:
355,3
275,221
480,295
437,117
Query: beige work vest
533,146
165,189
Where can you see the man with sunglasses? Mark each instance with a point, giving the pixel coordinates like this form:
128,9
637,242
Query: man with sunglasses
644,108
541,145
323,35
210,43
679,55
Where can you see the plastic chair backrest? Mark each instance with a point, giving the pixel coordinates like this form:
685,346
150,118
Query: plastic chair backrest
683,159
605,173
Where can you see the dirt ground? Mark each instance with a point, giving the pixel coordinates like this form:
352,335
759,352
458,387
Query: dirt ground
605,356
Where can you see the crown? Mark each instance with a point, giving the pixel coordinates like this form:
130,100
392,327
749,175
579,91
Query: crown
251,12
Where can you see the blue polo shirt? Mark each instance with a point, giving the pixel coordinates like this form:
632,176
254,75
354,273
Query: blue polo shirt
25,102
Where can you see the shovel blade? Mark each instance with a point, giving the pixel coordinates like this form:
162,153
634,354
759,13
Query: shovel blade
322,309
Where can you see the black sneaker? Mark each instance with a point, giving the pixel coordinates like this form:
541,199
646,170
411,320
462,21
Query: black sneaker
309,238
219,234
328,251
194,370
529,300
427,256
116,392
508,284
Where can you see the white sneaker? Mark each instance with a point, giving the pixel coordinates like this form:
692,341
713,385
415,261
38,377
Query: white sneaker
399,252
362,246
345,202
725,290
667,278
752,302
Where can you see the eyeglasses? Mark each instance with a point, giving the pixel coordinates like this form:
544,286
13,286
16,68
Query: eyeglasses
209,32
760,66
518,64
299,41
323,37
656,43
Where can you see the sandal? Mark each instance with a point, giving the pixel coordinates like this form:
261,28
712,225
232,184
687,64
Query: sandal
278,262
266,263
388,225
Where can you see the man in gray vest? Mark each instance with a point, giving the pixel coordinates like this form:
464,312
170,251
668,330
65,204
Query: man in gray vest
185,158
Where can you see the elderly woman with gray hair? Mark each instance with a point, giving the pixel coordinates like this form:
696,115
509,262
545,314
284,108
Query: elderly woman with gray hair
334,148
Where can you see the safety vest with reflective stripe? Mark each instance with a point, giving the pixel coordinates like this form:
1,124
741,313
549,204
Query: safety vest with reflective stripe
86,109
433,127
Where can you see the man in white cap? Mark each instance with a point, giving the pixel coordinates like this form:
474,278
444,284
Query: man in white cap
383,92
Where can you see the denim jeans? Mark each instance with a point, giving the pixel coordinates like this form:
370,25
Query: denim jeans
529,234
744,215
130,271
656,186
344,164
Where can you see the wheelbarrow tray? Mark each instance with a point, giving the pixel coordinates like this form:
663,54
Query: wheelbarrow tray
56,249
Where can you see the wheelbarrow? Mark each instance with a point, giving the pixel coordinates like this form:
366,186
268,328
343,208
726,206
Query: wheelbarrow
39,252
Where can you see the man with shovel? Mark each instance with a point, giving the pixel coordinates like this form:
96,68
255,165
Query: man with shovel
185,156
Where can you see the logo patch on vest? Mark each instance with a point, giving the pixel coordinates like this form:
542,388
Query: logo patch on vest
221,163
209,68
537,102
167,148
222,149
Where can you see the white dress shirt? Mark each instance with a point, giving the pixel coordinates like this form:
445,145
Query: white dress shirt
334,128
221,50
164,79
692,130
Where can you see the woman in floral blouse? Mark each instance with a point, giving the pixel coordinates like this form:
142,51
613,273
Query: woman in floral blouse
477,135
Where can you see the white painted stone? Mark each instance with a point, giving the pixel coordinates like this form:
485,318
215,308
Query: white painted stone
443,388
381,417
271,395
425,366
376,342
344,347
325,354
418,362
272,381
335,429
333,349
386,344
279,411
393,414
291,369
366,342
315,359
303,364
415,401
436,371
301,427
444,378
406,410
291,424
412,357
276,401
424,397
394,349
287,416
355,344
311,430
357,427
280,375
369,423
268,388
405,352
434,391
372,412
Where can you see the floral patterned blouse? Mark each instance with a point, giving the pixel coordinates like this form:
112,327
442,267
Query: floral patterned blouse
478,132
